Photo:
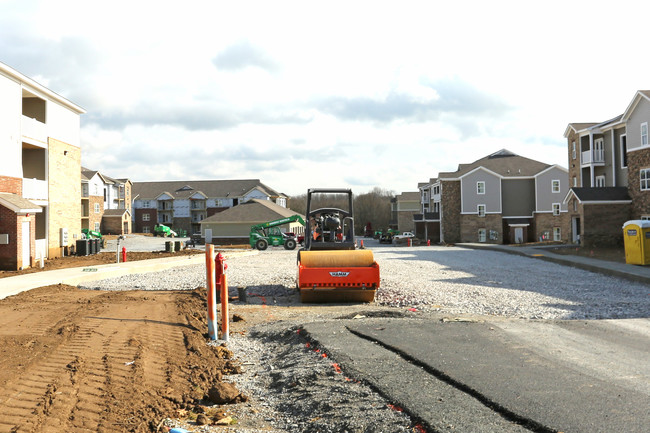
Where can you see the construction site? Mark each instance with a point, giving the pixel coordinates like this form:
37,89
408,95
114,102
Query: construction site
91,345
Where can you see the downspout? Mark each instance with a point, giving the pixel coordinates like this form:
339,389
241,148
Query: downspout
613,160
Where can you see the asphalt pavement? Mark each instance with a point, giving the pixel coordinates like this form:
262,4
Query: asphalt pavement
485,377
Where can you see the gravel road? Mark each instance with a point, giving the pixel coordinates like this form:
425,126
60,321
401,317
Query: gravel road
446,279
294,388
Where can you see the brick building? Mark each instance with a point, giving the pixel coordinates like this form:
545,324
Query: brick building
40,186
609,171
502,198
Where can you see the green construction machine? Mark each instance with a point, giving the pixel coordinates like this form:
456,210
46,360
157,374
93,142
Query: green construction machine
265,234
163,230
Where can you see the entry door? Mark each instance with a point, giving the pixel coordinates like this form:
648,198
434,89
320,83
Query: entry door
519,235
575,223
208,236
26,244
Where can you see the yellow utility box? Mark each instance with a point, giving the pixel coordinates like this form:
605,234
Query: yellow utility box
636,235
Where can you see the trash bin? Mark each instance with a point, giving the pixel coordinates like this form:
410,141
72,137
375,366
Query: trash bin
636,235
92,246
82,247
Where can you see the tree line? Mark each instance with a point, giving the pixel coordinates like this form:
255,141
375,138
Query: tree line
372,207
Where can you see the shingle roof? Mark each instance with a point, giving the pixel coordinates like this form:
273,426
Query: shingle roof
115,212
180,189
409,196
611,193
253,211
504,163
16,203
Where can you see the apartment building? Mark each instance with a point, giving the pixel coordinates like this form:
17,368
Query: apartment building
609,170
403,207
101,193
40,182
184,204
502,198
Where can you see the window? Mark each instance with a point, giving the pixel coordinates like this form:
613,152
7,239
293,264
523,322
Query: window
575,205
556,208
645,217
146,217
644,134
557,234
436,190
623,151
645,179
96,207
145,204
600,181
146,229
481,210
573,150
555,185
481,235
480,187
575,182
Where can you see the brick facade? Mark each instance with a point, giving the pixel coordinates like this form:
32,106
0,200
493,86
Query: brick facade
636,161
602,224
450,216
574,164
470,225
13,185
64,194
544,223
11,254
140,223
92,216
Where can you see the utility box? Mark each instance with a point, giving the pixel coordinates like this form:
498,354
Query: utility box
64,237
636,235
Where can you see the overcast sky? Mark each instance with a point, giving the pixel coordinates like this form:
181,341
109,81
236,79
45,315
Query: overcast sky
327,94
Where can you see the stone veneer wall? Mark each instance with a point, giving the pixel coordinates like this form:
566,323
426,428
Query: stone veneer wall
450,215
603,224
470,224
548,221
64,194
640,199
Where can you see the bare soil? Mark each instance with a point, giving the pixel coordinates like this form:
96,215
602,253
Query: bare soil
96,259
91,361
612,254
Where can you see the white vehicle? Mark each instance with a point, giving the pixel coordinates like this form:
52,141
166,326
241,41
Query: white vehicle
404,235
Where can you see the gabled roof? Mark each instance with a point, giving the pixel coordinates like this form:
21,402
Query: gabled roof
17,204
409,196
604,194
503,163
115,212
253,211
640,94
180,189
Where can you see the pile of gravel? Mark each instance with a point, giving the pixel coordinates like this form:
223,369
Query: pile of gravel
451,280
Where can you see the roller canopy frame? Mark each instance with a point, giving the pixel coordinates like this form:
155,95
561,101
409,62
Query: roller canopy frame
347,243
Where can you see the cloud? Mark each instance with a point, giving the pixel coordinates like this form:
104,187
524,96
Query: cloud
242,55
454,99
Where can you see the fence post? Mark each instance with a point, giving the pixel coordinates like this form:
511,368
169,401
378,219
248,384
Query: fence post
210,284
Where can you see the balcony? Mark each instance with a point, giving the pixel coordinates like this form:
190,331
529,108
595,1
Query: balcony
593,157
32,128
427,216
34,189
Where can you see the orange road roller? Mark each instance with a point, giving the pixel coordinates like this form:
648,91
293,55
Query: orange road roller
330,268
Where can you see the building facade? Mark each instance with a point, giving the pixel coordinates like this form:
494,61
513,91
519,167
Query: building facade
184,204
502,198
40,183
609,171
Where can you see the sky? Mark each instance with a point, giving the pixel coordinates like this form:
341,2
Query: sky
341,94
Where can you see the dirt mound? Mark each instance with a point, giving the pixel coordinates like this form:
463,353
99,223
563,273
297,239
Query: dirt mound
104,362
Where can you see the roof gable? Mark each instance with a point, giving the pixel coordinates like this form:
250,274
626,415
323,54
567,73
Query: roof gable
638,97
253,211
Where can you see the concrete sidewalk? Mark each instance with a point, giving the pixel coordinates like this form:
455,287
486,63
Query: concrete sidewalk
73,276
614,269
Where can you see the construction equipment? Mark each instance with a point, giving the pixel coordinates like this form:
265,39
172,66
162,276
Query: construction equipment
330,268
163,230
91,234
265,234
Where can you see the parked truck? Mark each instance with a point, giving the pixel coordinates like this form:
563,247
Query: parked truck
269,233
